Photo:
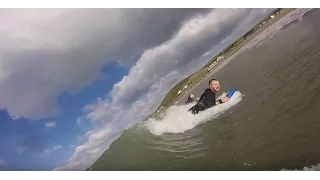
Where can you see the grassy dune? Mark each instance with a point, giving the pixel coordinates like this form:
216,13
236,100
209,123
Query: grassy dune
173,93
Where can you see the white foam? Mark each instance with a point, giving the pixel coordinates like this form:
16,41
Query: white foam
310,168
177,119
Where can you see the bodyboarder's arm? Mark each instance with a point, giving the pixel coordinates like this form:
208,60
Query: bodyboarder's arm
222,100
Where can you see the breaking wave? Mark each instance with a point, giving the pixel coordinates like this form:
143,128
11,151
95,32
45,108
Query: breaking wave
177,119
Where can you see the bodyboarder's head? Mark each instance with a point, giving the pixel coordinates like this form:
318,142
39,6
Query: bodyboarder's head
214,85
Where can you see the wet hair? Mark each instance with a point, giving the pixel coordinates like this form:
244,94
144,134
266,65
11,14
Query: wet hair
212,80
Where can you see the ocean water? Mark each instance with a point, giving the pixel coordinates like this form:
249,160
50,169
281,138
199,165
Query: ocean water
271,123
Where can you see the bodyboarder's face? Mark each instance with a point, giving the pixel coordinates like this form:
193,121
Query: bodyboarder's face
215,86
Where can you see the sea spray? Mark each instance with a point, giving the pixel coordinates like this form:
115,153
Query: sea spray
177,119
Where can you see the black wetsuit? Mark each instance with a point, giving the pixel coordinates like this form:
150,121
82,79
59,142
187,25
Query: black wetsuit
190,100
207,100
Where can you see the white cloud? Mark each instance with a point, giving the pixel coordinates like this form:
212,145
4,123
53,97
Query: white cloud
50,124
2,163
47,152
45,52
158,69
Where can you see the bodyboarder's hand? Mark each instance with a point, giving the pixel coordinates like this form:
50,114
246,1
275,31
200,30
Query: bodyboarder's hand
225,99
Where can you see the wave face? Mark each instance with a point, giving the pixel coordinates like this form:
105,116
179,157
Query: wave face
272,124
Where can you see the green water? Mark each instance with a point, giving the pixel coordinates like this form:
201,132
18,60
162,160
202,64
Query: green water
275,126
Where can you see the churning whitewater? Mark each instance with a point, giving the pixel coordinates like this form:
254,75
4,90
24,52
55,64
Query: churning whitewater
177,119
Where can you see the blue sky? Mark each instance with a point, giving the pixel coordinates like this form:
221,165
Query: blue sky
34,136
68,87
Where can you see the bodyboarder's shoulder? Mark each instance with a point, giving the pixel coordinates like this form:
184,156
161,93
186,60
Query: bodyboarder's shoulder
209,91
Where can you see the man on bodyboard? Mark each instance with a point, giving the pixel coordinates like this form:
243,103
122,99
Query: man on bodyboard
208,98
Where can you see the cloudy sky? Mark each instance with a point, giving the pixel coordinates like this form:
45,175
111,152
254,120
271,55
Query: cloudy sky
72,79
